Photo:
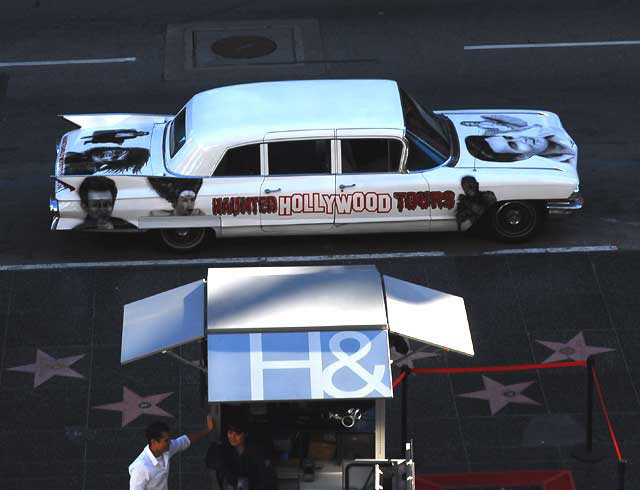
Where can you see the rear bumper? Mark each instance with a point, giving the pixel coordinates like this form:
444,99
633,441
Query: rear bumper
566,206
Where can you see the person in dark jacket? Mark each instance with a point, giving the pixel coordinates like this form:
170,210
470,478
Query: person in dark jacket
240,464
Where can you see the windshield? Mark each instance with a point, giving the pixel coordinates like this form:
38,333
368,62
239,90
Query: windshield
178,132
426,127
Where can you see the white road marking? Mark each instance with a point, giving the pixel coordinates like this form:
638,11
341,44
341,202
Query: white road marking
66,62
550,45
222,261
552,250
293,258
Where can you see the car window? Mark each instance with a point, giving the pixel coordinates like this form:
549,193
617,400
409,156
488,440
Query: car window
240,161
429,127
178,132
421,156
370,155
300,157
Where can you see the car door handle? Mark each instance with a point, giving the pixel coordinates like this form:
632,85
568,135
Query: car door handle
269,191
344,186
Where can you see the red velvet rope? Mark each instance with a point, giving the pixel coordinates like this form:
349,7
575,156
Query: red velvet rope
522,367
397,381
606,415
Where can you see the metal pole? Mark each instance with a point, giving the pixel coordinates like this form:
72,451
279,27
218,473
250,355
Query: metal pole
403,416
204,395
183,360
588,453
622,466
589,432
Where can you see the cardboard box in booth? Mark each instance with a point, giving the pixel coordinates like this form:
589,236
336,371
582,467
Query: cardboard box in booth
322,446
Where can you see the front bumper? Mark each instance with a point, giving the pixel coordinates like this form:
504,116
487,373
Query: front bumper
54,209
566,206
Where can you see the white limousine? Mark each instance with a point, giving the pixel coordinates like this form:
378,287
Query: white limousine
313,157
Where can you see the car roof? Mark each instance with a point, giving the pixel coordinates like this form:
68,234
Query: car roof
242,114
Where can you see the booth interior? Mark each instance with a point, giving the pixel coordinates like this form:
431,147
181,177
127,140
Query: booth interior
306,442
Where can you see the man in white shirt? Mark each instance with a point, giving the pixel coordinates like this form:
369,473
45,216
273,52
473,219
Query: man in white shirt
150,470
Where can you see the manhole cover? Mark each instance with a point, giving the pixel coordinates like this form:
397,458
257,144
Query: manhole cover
243,47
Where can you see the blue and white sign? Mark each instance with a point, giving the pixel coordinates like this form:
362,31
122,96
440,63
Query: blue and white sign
299,365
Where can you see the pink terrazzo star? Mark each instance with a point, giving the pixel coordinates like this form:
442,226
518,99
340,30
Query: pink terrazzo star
47,367
499,395
399,360
134,405
576,349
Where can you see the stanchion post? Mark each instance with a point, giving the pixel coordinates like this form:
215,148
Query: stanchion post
588,444
403,416
622,467
587,453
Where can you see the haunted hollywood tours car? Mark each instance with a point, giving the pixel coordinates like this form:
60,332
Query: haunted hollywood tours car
313,157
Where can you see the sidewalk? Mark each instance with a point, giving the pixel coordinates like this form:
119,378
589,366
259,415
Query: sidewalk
62,430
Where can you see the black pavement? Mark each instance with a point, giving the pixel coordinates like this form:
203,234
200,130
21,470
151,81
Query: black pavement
522,309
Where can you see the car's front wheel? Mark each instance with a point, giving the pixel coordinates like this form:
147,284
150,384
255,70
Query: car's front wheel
515,221
183,240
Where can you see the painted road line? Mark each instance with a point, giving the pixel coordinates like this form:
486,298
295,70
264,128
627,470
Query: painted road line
552,250
223,261
66,62
292,259
550,45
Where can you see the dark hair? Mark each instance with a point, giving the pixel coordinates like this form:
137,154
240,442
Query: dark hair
82,163
237,424
468,179
136,158
171,188
155,430
97,183
479,148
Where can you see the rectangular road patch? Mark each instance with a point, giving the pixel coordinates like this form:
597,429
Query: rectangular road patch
270,47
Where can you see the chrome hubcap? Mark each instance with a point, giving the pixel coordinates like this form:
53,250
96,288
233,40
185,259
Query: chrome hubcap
514,217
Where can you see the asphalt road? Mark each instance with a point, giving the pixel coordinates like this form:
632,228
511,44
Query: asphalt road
421,44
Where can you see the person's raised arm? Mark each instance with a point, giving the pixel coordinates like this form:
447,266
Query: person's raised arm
196,436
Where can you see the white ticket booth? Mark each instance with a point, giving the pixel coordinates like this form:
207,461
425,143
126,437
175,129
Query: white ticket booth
304,352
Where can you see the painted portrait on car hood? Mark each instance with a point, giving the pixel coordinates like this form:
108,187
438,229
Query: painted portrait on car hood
507,138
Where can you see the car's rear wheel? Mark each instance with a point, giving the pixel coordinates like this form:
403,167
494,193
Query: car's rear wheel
183,240
515,221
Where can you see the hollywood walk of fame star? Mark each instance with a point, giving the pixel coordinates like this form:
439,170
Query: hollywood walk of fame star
399,360
576,349
47,367
499,395
134,405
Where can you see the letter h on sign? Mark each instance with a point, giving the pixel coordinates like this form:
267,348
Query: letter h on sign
259,365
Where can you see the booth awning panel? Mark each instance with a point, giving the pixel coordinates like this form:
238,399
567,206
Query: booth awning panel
163,321
427,315
295,298
298,365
